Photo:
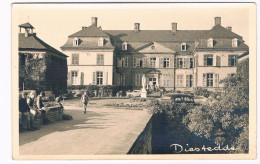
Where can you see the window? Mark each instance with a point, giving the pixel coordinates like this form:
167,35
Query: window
179,81
232,60
100,42
179,62
166,63
137,62
166,80
152,62
231,74
191,62
100,59
209,79
234,42
75,42
124,62
153,47
74,77
124,46
208,60
75,59
189,80
99,78
210,42
138,80
183,46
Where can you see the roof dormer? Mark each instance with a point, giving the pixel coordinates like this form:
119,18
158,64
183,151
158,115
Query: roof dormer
234,42
183,47
101,42
76,42
210,42
124,46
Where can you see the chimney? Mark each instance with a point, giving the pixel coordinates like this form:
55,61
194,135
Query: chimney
26,34
229,28
94,21
100,27
174,27
217,21
137,27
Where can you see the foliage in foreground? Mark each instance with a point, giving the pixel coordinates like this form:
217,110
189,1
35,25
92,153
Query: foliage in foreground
225,118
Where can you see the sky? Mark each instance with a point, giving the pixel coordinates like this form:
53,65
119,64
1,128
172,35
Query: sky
53,23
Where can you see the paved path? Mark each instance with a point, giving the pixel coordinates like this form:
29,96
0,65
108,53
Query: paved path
100,131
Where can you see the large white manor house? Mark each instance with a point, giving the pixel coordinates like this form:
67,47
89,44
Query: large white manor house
174,59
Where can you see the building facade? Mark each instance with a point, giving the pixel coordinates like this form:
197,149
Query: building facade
173,59
41,67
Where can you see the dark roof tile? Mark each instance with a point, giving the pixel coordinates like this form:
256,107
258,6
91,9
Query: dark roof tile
32,42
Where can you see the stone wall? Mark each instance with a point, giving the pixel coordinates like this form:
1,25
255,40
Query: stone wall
143,144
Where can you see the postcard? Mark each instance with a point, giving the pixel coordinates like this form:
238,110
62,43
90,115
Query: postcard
134,81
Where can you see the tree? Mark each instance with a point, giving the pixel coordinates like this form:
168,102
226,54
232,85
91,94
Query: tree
225,118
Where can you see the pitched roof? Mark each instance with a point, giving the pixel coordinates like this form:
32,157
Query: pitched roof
91,31
88,44
220,32
32,42
155,35
26,25
222,44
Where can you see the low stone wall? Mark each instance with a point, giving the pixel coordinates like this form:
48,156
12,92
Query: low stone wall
54,114
143,144
49,115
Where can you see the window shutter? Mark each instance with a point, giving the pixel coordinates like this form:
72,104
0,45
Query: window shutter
216,79
69,78
144,62
94,78
205,60
161,62
175,62
134,62
105,78
187,62
119,62
126,60
148,62
82,78
218,61
229,60
187,80
204,80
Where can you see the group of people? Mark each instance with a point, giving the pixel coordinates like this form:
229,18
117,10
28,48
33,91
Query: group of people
30,109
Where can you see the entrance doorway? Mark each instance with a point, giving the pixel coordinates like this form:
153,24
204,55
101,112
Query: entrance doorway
152,81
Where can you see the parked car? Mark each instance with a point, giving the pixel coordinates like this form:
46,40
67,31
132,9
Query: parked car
67,95
180,98
135,93
49,96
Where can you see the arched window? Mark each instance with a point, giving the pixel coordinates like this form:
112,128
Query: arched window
101,42
210,42
183,47
124,46
234,42
75,41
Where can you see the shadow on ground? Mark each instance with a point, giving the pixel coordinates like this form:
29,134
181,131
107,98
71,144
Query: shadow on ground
91,120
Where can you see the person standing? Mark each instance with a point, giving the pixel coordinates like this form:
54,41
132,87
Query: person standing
84,101
25,112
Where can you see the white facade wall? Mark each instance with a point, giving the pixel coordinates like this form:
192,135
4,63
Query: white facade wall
222,70
88,65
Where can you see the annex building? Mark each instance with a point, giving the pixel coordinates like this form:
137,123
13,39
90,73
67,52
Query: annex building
41,67
174,59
